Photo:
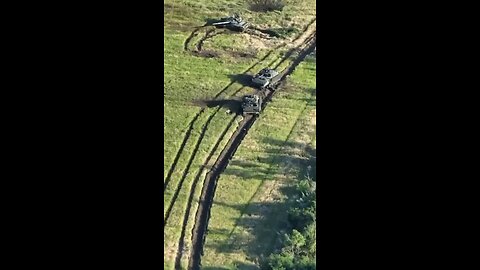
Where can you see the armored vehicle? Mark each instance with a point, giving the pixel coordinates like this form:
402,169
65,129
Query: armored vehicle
251,104
266,78
234,23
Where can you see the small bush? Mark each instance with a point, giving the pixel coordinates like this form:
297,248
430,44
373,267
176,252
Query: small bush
266,5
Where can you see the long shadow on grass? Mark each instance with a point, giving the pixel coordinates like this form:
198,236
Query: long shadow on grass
259,230
254,234
279,152
303,165
233,105
243,79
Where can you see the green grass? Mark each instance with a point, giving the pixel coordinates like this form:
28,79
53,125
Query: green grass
189,78
251,199
216,128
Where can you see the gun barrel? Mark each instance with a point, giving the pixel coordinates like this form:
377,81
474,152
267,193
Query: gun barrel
220,23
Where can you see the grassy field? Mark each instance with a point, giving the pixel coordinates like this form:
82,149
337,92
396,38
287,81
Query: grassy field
194,134
249,211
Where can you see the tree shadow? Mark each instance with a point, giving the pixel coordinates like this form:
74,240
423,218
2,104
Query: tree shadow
260,239
261,169
253,232
304,165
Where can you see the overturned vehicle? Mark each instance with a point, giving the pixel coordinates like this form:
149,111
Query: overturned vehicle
251,104
266,78
234,23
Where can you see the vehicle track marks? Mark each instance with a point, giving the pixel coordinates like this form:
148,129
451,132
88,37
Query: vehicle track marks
234,142
192,194
208,191
269,171
180,150
172,168
189,164
187,134
191,36
209,34
293,50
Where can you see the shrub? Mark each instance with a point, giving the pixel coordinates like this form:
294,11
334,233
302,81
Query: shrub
299,246
266,5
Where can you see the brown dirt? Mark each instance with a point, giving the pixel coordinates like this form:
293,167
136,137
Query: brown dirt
203,212
202,215
248,54
206,53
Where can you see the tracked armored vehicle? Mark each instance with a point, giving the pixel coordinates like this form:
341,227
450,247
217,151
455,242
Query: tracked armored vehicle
251,104
266,78
234,23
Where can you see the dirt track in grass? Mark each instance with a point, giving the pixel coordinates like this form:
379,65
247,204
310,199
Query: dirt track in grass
208,192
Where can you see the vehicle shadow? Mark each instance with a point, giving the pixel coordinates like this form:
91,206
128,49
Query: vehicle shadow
243,79
233,105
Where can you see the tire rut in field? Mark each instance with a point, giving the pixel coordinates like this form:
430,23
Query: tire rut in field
213,32
191,124
181,243
244,210
194,33
179,152
285,57
189,164
290,52
252,31
209,34
217,95
192,156
208,191
191,36
187,135
305,29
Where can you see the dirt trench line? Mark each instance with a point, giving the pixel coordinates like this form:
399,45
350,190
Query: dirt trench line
190,126
185,140
180,150
253,31
181,243
269,171
206,199
189,164
208,191
207,36
296,49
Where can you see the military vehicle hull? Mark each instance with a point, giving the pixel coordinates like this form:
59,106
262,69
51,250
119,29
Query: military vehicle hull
251,104
234,23
267,79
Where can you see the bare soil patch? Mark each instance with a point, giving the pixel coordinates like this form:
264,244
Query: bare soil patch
206,53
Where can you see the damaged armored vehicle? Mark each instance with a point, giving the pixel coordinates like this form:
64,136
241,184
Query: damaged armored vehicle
266,78
234,23
251,104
